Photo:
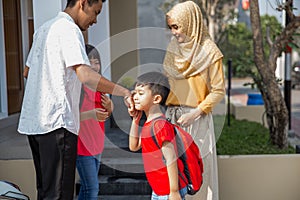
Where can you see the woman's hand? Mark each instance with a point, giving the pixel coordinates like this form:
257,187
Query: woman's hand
188,118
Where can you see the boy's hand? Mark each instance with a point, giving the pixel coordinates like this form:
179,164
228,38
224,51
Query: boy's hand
107,103
137,116
175,196
100,114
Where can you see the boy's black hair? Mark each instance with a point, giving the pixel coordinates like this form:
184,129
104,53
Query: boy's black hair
157,83
71,3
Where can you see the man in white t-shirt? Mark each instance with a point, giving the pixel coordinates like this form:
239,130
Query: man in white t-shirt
50,112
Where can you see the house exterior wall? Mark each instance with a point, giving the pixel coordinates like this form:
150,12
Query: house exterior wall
3,88
98,35
123,38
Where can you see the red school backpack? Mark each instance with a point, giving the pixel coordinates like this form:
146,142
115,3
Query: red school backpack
189,154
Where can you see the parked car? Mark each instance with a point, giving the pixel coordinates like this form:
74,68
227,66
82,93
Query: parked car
295,75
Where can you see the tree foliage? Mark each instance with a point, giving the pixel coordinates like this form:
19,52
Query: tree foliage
238,45
216,13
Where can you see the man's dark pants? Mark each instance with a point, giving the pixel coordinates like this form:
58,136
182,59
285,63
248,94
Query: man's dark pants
54,155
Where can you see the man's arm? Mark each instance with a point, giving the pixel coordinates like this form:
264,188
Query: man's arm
97,82
25,72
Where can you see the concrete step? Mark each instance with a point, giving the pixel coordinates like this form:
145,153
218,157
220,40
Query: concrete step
126,185
121,174
121,166
122,185
124,197
113,151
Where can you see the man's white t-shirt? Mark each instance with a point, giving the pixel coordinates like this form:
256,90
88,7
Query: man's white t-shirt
52,93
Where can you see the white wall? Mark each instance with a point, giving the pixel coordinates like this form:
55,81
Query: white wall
25,34
99,36
45,10
3,89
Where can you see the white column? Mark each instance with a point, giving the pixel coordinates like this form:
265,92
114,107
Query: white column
3,89
280,70
44,10
99,36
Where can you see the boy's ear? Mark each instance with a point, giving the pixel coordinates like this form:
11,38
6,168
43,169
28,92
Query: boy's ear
157,99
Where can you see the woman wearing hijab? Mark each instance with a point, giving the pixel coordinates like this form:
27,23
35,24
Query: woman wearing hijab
193,64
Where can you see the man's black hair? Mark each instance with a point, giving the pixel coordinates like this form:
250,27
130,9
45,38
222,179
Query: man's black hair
157,83
71,3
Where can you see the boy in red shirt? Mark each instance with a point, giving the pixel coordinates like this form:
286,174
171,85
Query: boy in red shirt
161,165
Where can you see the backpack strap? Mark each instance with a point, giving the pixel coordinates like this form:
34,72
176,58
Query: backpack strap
179,144
152,130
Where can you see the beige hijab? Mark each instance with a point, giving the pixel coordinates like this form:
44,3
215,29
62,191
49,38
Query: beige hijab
198,51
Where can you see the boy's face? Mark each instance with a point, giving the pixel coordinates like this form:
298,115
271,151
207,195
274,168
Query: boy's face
143,98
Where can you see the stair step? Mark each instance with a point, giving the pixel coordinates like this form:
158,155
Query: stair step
127,185
119,152
124,197
121,175
112,166
122,170
110,185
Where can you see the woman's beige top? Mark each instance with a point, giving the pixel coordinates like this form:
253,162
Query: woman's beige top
204,90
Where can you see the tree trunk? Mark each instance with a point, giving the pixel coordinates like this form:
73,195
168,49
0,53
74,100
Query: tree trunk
277,113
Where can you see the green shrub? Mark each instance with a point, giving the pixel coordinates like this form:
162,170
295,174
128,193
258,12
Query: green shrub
243,137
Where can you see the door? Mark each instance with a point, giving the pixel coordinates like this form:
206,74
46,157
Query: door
13,54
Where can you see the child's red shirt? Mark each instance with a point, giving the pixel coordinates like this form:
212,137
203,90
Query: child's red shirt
154,165
91,133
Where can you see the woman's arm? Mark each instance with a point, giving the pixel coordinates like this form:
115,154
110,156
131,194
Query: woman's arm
217,93
217,87
171,163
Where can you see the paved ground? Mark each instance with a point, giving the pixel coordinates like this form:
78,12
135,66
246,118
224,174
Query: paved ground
15,146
